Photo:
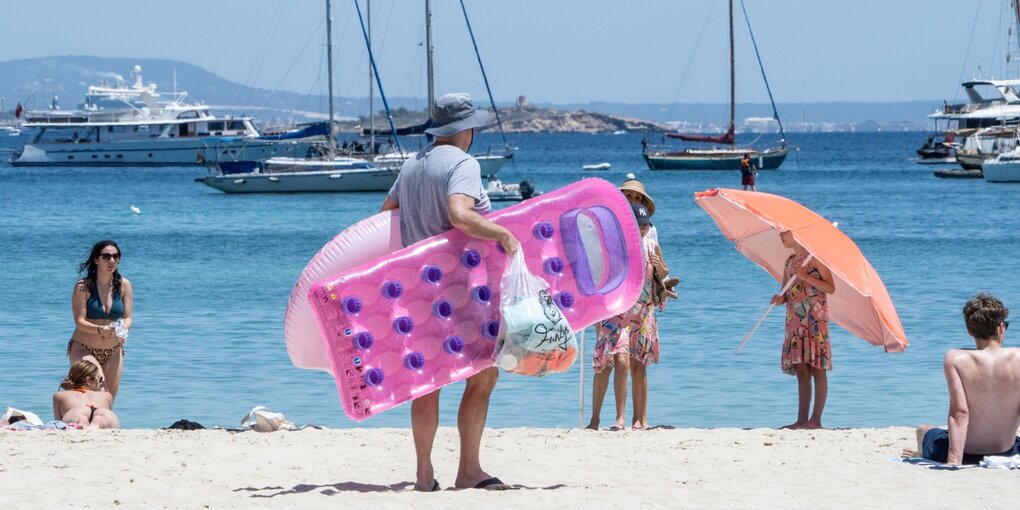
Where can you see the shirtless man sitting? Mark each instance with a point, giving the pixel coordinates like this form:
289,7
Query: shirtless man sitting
984,393
82,400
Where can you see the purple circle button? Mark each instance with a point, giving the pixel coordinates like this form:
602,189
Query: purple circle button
481,294
363,340
442,309
374,377
543,230
453,344
392,289
491,329
414,361
351,305
431,274
403,325
553,265
470,258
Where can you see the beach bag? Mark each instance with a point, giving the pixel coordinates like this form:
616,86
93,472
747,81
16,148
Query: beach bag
534,338
262,419
12,415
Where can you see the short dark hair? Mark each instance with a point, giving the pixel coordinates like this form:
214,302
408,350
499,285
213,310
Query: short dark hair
983,314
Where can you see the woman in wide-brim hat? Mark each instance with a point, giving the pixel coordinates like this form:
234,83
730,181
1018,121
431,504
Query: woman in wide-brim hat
634,190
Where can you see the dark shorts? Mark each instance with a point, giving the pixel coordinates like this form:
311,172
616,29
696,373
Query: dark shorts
935,446
747,179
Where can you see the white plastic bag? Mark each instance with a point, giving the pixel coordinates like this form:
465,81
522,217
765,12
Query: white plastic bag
263,419
535,339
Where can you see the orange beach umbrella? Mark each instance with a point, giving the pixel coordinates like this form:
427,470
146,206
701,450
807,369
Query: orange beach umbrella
753,220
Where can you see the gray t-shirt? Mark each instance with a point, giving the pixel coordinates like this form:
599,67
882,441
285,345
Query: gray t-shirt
426,181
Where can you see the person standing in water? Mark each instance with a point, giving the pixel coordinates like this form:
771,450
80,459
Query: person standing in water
101,298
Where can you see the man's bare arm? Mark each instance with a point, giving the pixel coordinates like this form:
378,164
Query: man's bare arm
959,414
464,218
388,204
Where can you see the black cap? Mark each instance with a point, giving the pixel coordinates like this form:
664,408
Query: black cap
641,213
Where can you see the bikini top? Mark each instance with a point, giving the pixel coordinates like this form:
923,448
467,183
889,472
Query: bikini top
94,306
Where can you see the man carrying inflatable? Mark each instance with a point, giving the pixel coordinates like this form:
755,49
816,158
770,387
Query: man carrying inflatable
438,189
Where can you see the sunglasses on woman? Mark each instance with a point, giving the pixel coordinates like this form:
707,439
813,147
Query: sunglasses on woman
109,256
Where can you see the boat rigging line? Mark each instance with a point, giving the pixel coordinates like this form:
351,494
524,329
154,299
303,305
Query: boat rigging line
485,78
375,70
775,112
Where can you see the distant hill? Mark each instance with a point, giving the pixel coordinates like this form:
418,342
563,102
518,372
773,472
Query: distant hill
832,112
35,81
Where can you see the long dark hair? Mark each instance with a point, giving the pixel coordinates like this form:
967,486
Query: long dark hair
88,268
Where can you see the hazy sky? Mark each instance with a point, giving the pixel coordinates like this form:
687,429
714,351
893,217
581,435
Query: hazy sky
549,50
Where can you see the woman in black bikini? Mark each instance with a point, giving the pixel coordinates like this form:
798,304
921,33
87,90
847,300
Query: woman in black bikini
81,399
101,297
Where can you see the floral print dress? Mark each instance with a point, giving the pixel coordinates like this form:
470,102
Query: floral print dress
807,323
635,331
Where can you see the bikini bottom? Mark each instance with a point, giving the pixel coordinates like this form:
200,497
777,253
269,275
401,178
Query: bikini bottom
101,355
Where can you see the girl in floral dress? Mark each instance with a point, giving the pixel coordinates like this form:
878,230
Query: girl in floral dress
807,352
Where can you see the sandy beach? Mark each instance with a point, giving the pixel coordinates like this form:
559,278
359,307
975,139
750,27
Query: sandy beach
682,468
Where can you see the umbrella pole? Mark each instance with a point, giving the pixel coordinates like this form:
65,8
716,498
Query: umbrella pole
789,283
580,414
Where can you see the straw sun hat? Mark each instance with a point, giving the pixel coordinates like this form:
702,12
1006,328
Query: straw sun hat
636,186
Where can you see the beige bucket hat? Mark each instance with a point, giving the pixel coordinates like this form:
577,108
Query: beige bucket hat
637,186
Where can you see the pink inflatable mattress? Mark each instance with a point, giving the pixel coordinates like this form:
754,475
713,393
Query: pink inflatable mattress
425,316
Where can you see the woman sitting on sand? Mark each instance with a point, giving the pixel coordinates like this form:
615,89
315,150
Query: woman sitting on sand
82,401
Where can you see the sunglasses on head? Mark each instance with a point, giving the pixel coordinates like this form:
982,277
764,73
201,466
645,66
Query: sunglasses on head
109,256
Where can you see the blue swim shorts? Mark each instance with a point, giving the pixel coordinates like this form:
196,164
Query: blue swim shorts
935,446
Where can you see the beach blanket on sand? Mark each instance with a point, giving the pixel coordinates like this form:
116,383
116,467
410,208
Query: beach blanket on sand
50,425
990,461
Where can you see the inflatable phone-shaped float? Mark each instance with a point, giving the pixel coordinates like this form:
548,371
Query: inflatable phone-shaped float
371,238
422,317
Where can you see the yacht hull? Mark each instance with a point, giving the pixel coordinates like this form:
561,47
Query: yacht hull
156,152
972,161
1001,172
713,159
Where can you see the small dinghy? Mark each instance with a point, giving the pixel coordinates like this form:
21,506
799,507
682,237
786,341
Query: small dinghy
958,173
597,166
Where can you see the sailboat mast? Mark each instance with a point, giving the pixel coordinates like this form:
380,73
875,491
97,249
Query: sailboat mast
733,77
428,57
329,70
371,85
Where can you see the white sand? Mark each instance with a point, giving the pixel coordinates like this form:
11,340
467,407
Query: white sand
372,469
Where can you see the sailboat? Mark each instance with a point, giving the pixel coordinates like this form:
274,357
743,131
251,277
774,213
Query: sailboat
292,175
491,162
720,158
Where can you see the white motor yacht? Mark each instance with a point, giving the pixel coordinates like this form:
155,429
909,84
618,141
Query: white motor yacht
136,126
1003,168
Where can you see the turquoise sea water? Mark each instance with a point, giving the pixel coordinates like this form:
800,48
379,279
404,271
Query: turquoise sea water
213,272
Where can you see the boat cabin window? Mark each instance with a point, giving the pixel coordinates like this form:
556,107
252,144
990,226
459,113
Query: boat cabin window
236,124
216,126
190,114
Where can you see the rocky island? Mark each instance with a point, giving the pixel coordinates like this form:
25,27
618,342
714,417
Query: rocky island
529,119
